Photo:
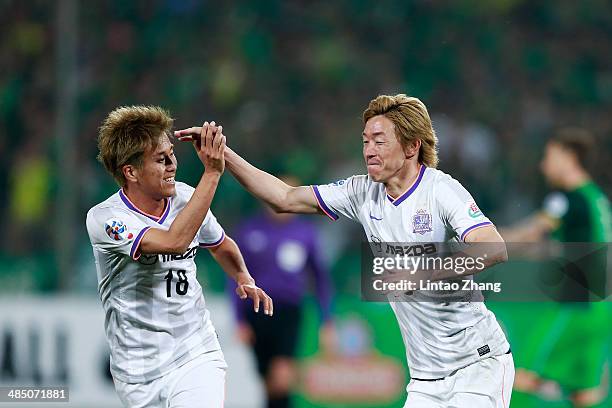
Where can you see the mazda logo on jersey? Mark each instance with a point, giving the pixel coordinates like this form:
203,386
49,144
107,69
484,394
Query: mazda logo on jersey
190,253
411,250
150,259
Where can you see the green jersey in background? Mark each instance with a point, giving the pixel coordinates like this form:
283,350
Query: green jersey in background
567,342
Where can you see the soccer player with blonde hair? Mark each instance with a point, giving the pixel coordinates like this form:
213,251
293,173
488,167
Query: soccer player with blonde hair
164,349
457,353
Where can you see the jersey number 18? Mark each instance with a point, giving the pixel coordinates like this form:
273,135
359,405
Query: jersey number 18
181,285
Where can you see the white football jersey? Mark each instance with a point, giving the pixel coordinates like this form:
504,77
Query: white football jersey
440,336
156,319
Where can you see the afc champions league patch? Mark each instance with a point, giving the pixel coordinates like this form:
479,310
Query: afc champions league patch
421,222
117,230
473,210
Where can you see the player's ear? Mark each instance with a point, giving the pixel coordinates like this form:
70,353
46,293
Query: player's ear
130,173
412,148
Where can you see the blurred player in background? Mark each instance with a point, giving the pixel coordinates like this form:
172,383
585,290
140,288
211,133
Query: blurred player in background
282,253
164,349
576,354
457,352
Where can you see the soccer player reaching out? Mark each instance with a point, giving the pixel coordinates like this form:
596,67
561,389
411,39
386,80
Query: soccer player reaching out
164,349
457,353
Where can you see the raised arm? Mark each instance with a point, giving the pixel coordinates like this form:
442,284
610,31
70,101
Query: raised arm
280,196
177,238
268,188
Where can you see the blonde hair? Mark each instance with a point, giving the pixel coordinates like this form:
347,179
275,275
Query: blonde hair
126,133
411,120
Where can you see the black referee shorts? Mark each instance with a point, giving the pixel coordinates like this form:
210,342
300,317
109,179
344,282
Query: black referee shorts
276,336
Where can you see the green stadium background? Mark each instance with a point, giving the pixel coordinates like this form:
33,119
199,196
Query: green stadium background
288,80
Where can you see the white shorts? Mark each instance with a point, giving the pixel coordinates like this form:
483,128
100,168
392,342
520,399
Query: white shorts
484,384
197,383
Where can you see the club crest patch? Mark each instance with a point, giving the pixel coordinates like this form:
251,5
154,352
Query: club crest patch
421,222
473,210
117,230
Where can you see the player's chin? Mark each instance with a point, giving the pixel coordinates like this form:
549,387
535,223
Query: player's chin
374,174
169,189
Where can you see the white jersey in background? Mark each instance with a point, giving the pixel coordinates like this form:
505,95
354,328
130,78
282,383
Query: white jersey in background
156,319
440,337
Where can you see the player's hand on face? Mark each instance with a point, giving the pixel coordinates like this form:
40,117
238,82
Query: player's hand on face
250,290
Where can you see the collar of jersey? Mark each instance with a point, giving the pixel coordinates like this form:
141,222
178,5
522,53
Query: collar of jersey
131,206
397,201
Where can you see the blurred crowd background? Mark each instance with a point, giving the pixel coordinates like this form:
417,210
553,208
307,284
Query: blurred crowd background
288,80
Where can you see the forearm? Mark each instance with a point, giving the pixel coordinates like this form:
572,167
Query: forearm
486,250
483,258
262,185
189,221
230,259
177,238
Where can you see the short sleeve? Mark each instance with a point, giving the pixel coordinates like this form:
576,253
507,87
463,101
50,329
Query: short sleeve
211,233
342,197
457,208
115,231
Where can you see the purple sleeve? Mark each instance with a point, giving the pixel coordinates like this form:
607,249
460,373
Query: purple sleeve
322,280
